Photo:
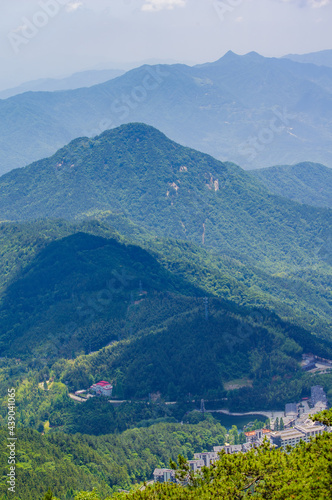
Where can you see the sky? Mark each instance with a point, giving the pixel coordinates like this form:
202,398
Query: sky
55,38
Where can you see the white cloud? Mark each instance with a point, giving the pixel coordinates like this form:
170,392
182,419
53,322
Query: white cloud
72,6
156,5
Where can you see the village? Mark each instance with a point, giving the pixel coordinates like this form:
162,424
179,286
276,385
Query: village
286,428
297,426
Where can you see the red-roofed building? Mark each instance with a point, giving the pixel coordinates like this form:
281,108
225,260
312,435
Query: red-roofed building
254,436
102,388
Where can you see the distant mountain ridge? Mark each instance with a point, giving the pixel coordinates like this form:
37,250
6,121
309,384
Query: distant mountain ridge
306,182
75,81
252,110
321,58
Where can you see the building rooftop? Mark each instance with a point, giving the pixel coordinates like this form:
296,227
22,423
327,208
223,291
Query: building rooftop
159,472
289,434
253,433
102,383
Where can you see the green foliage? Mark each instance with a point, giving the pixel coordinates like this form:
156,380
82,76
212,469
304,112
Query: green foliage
303,472
152,337
306,182
64,464
134,169
119,296
48,495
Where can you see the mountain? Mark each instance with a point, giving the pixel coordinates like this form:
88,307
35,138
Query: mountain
252,110
309,183
173,191
321,58
85,307
75,81
204,228
132,259
63,281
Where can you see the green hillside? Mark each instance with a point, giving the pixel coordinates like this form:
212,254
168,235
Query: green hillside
82,292
306,182
75,281
170,190
67,464
132,259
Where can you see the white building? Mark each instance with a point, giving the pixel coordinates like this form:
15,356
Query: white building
102,388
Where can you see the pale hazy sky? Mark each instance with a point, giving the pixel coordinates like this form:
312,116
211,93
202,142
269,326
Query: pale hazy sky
54,38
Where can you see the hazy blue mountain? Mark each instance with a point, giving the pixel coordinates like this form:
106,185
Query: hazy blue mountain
75,81
306,182
321,58
249,109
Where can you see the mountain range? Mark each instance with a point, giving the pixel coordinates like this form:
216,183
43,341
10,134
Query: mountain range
75,81
251,110
321,58
173,275
212,225
174,191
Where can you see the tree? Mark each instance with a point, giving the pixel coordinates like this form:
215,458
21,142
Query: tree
233,435
282,425
182,470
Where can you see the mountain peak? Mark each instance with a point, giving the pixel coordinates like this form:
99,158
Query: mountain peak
229,56
232,56
254,55
230,53
135,129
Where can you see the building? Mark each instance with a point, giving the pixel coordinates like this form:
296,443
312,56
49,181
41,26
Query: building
256,436
318,396
229,449
102,388
291,410
195,465
311,430
292,437
305,431
309,365
207,458
164,476
288,437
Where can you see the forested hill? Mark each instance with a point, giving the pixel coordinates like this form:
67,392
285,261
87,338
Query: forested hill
171,190
307,182
142,309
